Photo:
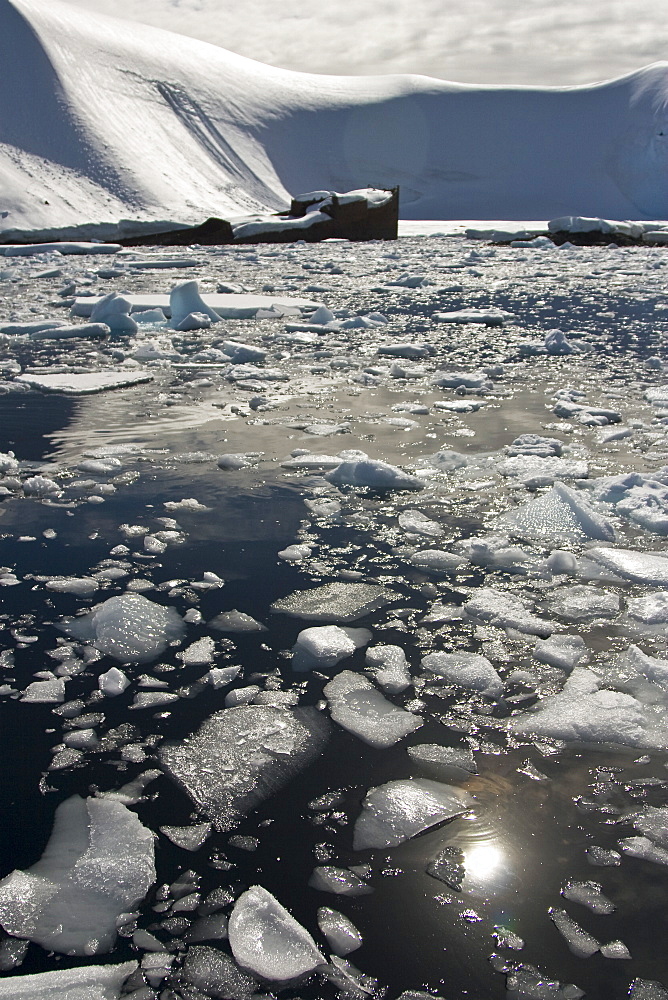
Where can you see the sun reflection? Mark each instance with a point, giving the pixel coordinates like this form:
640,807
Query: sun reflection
482,860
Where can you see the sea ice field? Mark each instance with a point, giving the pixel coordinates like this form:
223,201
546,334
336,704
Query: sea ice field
333,627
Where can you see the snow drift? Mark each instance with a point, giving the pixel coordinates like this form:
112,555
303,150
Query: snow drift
105,120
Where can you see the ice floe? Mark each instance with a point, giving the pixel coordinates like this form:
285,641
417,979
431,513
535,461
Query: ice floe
399,810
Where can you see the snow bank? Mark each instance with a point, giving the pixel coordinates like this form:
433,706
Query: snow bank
238,135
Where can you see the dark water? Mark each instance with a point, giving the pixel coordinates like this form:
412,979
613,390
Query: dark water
521,842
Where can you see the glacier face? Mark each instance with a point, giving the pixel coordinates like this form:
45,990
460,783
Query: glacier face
85,139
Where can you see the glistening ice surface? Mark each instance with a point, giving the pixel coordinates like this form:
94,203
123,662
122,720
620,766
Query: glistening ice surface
164,544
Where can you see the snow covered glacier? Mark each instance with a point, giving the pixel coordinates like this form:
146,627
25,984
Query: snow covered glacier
114,120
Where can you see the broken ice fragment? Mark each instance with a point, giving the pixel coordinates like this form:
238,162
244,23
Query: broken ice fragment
325,645
130,628
45,692
98,863
268,941
589,894
240,756
190,838
340,881
341,934
389,667
357,706
185,299
235,621
335,602
212,973
496,607
448,867
92,982
562,514
113,682
468,670
432,753
375,474
602,858
615,949
578,940
399,810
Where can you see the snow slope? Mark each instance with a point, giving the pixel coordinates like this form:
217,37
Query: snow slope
104,120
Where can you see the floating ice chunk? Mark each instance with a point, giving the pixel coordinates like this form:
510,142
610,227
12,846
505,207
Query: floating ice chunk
114,310
93,331
238,460
341,934
98,863
295,553
647,989
589,894
561,562
311,461
534,471
8,463
184,299
497,607
133,792
651,610
190,838
534,444
653,823
48,692
106,466
416,523
450,757
113,682
75,384
193,321
642,847
490,317
235,621
40,486
212,973
210,928
582,604
243,353
262,748
602,858
562,651
626,564
357,706
468,670
340,881
527,983
562,514
92,982
632,664
325,645
556,342
578,940
335,602
399,810
585,713
389,667
151,699
375,474
130,628
615,949
198,654
222,676
437,561
268,941
444,461
496,552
